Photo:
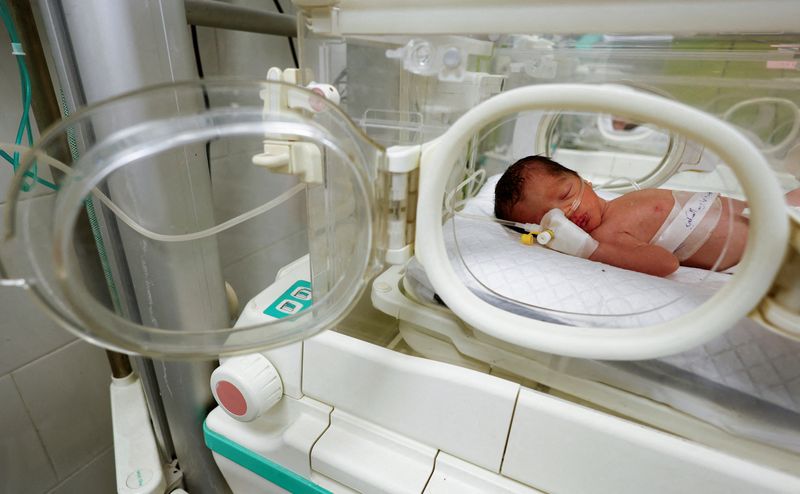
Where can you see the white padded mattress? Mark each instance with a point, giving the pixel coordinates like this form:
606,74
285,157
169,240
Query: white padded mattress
754,362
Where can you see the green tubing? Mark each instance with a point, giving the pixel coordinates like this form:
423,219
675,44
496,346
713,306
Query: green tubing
32,177
24,122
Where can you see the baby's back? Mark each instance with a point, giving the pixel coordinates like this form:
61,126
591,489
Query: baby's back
641,214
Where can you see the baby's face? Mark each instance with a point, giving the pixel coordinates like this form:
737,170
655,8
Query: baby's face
544,192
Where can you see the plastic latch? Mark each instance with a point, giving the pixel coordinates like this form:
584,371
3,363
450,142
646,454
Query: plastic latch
294,158
16,49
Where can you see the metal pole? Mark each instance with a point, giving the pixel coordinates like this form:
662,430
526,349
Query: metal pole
120,364
210,13
117,46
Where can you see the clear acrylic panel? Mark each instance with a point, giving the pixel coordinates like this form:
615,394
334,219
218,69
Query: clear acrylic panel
746,80
168,194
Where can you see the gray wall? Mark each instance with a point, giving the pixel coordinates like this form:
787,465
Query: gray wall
55,419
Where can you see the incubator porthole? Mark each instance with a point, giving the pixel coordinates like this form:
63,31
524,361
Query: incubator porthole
611,157
168,200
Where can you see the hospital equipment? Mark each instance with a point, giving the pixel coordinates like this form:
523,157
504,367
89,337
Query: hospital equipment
439,334
371,187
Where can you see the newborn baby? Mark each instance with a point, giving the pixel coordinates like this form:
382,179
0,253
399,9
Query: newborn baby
652,231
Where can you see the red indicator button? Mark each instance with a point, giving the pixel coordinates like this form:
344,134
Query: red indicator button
231,398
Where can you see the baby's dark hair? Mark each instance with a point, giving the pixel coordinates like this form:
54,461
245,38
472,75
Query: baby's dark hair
511,186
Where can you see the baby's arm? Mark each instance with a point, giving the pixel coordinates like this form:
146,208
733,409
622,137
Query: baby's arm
625,251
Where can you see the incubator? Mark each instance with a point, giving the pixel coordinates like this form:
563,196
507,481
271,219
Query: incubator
369,175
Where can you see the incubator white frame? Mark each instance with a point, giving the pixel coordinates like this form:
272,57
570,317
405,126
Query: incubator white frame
766,247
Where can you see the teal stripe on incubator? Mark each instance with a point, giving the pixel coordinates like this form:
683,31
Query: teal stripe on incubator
264,468
294,300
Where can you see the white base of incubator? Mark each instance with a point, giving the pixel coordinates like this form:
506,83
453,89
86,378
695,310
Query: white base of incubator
375,420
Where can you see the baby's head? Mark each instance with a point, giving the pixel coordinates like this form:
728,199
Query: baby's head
534,185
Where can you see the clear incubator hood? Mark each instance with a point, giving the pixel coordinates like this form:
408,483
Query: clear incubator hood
402,172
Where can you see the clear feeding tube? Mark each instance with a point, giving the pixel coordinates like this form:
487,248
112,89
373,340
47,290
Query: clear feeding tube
576,203
453,209
187,237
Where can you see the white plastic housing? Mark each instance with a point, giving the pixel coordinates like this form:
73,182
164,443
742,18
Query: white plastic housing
572,16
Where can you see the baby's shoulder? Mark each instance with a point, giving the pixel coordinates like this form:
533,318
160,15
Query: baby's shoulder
646,195
640,201
635,213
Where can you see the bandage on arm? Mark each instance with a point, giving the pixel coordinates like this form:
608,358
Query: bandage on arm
567,237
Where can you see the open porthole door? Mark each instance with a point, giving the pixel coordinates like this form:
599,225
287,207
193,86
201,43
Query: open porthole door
135,212
546,301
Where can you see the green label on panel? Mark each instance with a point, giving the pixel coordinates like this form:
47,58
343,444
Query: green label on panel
294,300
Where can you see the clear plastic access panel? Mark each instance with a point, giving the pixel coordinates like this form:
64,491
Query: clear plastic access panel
171,203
